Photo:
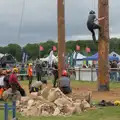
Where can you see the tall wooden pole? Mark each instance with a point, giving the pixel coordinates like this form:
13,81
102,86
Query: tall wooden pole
61,36
103,47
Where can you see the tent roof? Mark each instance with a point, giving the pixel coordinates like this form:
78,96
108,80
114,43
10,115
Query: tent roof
114,53
48,57
95,57
1,55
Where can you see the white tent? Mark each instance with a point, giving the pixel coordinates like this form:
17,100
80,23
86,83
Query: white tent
51,58
79,56
114,53
1,55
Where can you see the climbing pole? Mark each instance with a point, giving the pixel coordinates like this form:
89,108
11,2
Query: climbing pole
61,36
103,47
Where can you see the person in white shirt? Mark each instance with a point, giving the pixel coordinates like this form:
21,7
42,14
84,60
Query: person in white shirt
1,78
118,66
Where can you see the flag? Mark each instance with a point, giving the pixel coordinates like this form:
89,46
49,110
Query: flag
41,48
54,48
87,50
77,47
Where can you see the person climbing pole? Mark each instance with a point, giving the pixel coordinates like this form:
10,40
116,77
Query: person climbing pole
91,25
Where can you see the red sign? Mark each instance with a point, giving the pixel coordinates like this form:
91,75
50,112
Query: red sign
87,50
41,48
77,47
54,48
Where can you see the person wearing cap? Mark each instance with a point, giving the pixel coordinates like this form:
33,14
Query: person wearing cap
91,25
64,83
30,73
14,81
37,85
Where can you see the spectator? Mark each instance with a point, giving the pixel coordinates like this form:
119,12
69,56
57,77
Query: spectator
30,72
118,66
22,71
114,70
55,73
38,69
1,83
1,79
6,79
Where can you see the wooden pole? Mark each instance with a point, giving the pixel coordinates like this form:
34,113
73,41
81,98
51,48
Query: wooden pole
103,47
61,36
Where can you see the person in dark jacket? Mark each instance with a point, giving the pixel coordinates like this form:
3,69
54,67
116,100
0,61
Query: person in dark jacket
6,79
64,83
55,73
114,71
38,69
91,25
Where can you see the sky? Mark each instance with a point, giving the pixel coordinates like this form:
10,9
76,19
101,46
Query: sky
39,20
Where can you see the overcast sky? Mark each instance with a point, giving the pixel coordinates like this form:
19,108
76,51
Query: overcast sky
39,22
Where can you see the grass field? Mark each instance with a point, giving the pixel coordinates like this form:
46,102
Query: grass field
108,113
105,113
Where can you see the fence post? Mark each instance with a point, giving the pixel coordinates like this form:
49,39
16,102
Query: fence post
6,111
91,74
14,109
79,73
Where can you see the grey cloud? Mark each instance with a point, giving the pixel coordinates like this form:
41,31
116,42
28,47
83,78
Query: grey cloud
40,20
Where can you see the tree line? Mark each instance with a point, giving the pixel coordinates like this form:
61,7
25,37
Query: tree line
32,50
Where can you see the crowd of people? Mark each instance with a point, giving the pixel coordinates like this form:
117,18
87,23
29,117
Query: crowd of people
114,70
10,87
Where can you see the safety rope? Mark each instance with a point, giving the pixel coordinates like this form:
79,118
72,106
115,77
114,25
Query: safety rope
21,20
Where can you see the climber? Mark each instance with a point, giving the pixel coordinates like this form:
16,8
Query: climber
91,25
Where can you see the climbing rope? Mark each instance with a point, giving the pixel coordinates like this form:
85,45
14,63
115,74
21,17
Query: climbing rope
21,20
93,5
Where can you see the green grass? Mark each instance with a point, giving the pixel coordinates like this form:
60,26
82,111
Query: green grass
107,113
76,83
